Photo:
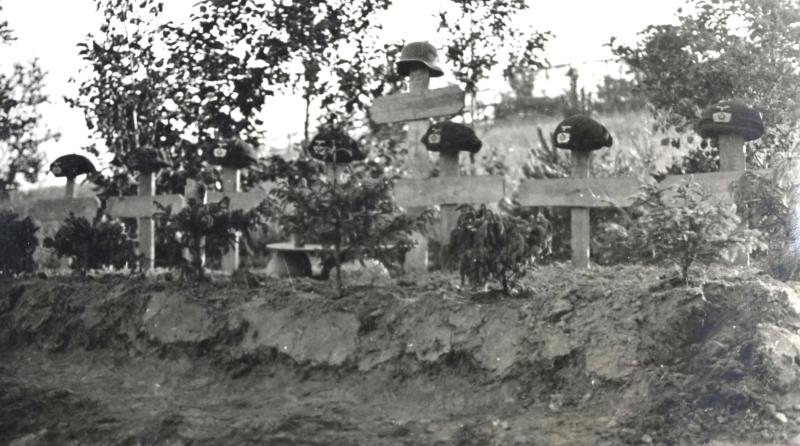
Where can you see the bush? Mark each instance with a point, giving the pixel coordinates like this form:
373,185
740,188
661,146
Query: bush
680,224
206,229
17,243
763,202
353,216
102,243
489,246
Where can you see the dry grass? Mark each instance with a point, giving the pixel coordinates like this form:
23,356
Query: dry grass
638,150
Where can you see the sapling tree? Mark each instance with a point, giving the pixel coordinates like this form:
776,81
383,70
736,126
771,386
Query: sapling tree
351,213
680,224
207,228
495,247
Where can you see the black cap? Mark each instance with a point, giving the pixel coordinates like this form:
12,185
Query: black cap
451,137
334,145
71,166
235,153
581,133
730,117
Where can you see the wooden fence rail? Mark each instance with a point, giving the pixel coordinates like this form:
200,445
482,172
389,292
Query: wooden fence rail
583,193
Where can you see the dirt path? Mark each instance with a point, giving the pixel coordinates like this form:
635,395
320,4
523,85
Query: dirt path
92,398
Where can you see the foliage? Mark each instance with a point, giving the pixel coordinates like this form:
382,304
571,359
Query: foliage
351,213
101,243
744,49
481,34
17,243
680,224
21,126
206,229
183,90
490,247
619,95
764,202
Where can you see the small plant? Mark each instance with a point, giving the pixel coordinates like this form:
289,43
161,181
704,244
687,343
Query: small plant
764,202
680,224
496,247
101,243
206,229
17,243
353,216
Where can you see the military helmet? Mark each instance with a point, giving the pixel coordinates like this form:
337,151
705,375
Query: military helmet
419,53
581,133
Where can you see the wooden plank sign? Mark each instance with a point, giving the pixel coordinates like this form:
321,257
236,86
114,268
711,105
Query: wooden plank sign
239,200
19,207
60,208
716,184
418,105
578,192
141,206
449,190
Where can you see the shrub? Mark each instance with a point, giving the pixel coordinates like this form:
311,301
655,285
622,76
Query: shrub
206,229
17,243
680,224
102,243
763,202
496,247
353,216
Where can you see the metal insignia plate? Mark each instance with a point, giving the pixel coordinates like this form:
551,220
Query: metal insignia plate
721,117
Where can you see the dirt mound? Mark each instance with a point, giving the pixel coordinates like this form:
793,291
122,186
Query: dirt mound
612,356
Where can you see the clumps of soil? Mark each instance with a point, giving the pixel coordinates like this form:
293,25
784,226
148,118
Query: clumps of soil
615,355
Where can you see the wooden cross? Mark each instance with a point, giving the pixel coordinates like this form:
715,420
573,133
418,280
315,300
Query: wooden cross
416,107
232,188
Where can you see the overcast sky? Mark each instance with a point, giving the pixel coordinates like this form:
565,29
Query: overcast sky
50,29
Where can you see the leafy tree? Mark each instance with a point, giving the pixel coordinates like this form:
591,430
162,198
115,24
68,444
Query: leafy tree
21,128
124,93
351,213
721,50
482,34
618,95
183,89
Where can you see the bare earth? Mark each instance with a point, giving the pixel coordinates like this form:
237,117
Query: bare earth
613,356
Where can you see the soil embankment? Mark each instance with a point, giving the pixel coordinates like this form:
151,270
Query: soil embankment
613,356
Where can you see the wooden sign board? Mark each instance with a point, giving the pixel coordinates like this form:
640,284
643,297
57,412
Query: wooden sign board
19,207
449,190
136,206
419,105
578,192
715,184
239,200
60,208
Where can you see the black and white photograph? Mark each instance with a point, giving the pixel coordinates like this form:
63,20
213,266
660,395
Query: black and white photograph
400,222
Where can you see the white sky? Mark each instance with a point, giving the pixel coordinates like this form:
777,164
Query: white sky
50,29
